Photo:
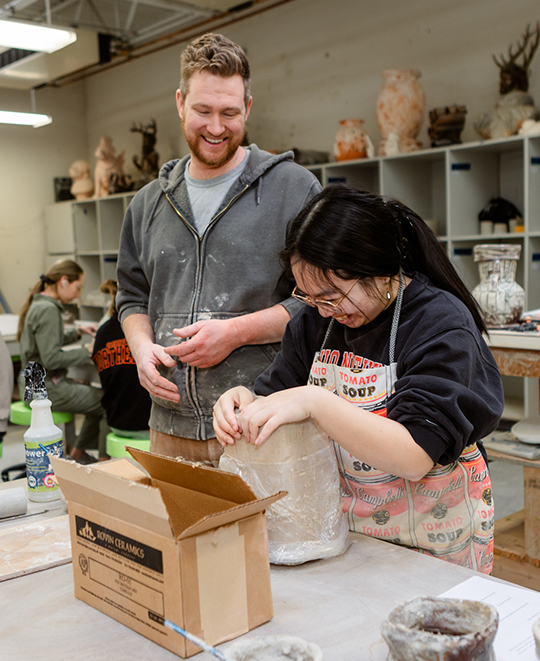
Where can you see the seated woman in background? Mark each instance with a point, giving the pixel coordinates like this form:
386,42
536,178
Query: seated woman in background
126,402
41,335
403,383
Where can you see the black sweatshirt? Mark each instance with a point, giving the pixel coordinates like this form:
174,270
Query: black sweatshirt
448,392
125,401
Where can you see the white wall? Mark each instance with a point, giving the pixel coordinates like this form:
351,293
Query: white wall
313,62
30,159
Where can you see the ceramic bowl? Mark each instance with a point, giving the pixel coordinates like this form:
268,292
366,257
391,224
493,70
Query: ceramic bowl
427,629
260,648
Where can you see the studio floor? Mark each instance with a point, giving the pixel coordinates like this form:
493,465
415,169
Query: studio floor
506,478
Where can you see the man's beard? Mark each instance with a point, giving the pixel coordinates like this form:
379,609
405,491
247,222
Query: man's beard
232,145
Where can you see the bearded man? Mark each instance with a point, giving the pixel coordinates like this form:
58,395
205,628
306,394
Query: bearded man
203,300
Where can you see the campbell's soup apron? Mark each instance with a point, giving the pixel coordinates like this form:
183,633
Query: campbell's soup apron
447,514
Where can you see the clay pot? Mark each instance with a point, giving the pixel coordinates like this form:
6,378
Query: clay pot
352,141
288,648
426,629
400,110
499,296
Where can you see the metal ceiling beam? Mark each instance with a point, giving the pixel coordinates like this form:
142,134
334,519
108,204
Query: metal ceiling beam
215,23
15,5
131,16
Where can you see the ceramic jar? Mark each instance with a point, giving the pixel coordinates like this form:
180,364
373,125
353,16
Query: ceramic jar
427,629
400,111
499,296
352,141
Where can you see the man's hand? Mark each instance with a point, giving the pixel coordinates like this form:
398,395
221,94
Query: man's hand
149,357
207,343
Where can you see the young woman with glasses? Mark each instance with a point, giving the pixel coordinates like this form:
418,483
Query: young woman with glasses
388,358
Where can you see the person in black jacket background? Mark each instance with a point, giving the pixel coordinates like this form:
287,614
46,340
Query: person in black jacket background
126,402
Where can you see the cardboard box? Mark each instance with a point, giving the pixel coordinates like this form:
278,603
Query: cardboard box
180,542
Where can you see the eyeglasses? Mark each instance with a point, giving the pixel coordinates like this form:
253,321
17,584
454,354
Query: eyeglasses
318,303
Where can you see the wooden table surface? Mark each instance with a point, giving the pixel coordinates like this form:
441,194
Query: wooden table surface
337,603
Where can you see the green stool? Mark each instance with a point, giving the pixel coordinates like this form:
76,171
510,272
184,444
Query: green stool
116,445
21,414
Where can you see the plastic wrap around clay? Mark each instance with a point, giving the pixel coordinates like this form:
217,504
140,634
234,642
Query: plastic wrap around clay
308,523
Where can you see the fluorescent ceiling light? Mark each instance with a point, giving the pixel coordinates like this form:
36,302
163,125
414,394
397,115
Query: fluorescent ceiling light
24,118
31,36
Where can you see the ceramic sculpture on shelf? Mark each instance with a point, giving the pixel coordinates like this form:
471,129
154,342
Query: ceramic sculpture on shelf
446,125
82,186
499,296
400,111
515,105
148,165
352,141
108,165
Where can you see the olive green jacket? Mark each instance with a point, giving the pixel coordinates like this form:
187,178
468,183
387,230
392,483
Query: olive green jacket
43,338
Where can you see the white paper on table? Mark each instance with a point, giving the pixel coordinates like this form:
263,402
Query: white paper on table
518,609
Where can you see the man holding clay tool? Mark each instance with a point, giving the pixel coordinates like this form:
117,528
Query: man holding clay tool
203,300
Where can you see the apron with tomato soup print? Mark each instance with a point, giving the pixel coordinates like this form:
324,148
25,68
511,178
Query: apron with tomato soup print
447,514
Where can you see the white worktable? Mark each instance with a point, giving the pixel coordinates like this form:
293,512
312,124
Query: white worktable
506,339
338,604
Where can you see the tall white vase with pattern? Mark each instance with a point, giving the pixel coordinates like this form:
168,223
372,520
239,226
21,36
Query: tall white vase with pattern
400,111
500,297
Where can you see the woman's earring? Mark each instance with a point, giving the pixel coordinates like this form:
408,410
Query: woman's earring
388,294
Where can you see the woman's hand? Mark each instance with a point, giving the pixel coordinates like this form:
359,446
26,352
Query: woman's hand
91,329
263,416
225,421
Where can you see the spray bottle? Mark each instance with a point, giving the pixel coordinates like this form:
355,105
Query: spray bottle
43,437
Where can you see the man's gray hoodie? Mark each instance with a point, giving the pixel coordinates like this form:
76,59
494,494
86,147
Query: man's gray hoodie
169,272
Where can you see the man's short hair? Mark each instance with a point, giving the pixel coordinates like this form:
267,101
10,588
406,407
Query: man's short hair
217,55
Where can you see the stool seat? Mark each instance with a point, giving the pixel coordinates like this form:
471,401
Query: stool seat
116,445
21,414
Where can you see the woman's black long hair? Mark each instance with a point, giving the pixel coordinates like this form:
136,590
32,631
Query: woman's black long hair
355,234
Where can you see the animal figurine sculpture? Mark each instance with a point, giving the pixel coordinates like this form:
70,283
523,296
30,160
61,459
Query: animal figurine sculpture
148,164
108,165
515,105
82,186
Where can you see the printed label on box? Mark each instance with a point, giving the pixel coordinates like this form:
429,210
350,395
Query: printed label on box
129,548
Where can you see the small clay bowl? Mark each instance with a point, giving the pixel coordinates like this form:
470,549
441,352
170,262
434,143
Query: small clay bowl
273,648
426,629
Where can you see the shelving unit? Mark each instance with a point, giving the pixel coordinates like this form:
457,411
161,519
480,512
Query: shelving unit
451,185
88,231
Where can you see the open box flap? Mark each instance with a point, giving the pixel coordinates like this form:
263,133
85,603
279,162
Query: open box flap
210,481
117,489
231,515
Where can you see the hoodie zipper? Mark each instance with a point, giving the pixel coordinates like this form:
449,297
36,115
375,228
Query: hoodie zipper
190,372
213,219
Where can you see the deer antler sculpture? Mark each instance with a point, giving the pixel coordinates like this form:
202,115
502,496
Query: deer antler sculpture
148,164
515,105
514,75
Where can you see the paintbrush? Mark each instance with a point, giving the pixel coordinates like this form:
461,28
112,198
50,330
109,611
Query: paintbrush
197,641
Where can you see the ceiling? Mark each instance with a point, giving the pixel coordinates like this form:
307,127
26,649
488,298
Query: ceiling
133,22
128,28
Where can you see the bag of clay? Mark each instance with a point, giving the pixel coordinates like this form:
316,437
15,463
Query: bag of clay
308,523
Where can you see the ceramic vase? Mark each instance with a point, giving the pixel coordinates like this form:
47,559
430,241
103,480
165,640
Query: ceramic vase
352,141
499,296
427,629
400,111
